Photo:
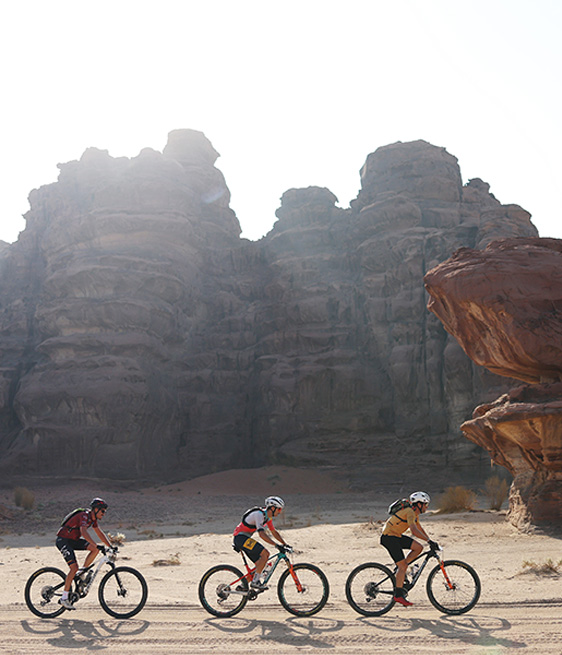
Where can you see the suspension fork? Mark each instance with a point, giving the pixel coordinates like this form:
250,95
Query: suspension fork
447,579
294,575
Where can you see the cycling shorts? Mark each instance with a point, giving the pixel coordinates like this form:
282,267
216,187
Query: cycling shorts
396,545
68,546
250,546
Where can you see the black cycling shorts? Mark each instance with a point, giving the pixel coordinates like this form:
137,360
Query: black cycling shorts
250,546
68,546
396,545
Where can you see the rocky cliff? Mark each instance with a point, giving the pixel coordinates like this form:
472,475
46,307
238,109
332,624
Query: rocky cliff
504,306
142,337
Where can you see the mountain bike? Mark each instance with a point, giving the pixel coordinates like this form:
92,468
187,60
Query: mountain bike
122,591
302,589
453,587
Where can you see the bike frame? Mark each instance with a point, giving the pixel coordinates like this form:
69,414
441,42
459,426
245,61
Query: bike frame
82,589
276,558
427,555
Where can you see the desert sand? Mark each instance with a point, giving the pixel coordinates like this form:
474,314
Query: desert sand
191,522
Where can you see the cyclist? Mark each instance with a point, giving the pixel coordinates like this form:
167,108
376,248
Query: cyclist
258,519
395,541
73,535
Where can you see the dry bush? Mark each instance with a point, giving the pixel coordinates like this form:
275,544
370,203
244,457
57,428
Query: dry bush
24,498
173,560
456,499
496,491
117,539
546,568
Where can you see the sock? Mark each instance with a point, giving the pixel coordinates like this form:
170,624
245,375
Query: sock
64,595
256,577
399,592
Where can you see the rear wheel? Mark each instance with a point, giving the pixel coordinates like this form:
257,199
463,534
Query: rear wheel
306,593
123,592
370,589
453,589
43,592
223,590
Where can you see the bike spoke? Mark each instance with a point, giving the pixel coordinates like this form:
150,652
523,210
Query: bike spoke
123,592
43,592
453,587
305,591
370,589
223,591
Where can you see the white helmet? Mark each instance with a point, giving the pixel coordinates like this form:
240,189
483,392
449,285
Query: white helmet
420,497
274,501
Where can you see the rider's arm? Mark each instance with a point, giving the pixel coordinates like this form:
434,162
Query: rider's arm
277,535
419,532
102,536
263,534
86,535
415,526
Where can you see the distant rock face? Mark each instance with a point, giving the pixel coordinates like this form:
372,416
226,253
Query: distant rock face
141,337
504,306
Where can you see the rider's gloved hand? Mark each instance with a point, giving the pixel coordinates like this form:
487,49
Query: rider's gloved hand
433,545
114,549
284,548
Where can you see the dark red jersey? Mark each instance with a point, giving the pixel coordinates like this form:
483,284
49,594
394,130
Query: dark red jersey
70,527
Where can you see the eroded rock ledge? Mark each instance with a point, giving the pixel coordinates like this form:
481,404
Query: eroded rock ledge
504,306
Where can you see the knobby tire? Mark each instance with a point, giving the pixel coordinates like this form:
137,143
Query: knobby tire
123,592
215,591
369,589
465,592
40,594
313,596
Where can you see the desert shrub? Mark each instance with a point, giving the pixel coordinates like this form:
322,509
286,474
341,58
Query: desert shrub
172,560
496,491
24,498
546,568
116,539
456,499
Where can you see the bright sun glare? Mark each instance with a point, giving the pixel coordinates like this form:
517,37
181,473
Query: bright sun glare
292,94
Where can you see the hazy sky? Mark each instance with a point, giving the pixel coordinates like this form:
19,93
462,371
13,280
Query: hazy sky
292,93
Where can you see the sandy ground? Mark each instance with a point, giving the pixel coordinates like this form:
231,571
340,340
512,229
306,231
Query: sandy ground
519,611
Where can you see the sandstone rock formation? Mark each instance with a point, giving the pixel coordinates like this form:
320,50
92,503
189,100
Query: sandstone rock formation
504,306
141,337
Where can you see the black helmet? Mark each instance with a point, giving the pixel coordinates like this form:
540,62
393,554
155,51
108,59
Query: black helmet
98,503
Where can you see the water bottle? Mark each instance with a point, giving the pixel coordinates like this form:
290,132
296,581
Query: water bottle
267,570
415,570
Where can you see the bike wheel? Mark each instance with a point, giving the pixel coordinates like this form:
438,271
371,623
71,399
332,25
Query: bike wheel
43,592
312,595
123,592
370,589
223,590
457,590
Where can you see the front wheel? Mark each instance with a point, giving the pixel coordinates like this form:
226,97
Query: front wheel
43,592
223,590
453,587
123,592
370,589
304,591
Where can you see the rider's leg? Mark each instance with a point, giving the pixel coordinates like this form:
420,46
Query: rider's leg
416,550
70,576
402,565
260,564
92,554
